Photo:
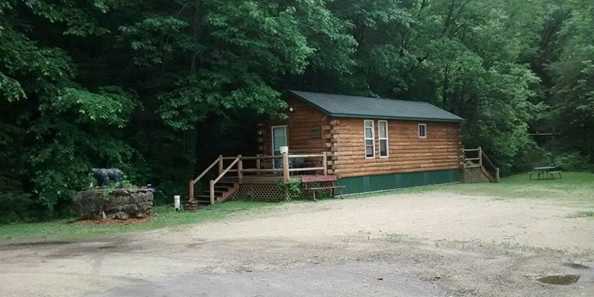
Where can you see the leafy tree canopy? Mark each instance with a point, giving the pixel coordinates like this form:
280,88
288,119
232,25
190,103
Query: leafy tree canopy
99,83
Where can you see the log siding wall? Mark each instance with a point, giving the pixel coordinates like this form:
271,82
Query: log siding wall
307,130
407,152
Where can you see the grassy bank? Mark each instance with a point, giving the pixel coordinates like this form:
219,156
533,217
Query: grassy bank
163,217
574,187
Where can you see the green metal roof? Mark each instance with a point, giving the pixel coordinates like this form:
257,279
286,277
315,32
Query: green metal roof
379,108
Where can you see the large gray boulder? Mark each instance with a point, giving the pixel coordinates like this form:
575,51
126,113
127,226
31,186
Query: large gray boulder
120,204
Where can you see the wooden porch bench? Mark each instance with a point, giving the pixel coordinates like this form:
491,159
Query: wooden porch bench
308,180
332,188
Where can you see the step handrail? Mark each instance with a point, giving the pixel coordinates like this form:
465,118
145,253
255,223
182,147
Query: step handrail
237,160
490,168
193,182
489,162
217,160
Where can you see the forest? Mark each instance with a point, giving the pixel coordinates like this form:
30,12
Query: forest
152,86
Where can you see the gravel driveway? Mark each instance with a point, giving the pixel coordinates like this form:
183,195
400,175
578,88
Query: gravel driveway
418,244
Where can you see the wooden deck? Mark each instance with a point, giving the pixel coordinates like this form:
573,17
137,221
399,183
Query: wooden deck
232,172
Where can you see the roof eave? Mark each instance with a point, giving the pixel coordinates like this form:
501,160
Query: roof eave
364,116
311,104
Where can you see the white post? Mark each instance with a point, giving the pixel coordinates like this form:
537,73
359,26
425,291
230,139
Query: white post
325,163
212,192
285,151
177,202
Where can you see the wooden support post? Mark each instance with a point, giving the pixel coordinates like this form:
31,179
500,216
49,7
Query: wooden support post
212,192
286,167
240,168
258,163
191,192
221,164
325,163
480,153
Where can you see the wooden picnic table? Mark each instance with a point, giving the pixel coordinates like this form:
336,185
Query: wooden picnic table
329,180
545,172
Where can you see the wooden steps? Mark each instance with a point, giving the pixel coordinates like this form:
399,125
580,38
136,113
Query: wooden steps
478,167
223,191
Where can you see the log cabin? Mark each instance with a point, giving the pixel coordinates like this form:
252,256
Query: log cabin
357,144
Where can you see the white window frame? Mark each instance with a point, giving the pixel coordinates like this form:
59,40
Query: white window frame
380,138
365,138
419,130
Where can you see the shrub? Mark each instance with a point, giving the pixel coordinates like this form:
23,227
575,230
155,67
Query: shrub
573,161
293,189
531,157
16,206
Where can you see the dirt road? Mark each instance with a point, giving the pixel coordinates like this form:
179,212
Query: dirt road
424,244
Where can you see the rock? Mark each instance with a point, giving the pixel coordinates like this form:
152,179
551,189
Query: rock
120,204
121,216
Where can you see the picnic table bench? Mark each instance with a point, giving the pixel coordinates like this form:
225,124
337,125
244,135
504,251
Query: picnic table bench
330,180
545,172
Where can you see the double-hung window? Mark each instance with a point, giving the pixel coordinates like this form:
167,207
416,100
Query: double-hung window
369,139
382,131
422,130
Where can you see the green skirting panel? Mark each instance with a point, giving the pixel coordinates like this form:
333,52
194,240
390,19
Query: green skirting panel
371,183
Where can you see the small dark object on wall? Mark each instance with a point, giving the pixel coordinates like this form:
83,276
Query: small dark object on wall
106,176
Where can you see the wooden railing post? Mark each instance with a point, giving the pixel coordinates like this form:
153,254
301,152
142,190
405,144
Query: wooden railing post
480,153
220,164
240,168
212,192
325,162
285,167
191,192
258,164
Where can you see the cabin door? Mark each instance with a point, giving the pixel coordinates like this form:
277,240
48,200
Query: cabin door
279,138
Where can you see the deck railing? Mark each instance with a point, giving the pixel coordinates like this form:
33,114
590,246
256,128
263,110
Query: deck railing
290,164
294,164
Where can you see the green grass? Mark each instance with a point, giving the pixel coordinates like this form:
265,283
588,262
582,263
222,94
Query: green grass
576,188
163,217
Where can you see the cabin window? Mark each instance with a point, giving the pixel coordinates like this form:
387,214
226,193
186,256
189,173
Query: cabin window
369,139
422,130
382,131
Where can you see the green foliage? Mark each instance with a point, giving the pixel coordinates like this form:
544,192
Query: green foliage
108,107
197,97
149,38
532,156
573,161
138,84
10,88
292,188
